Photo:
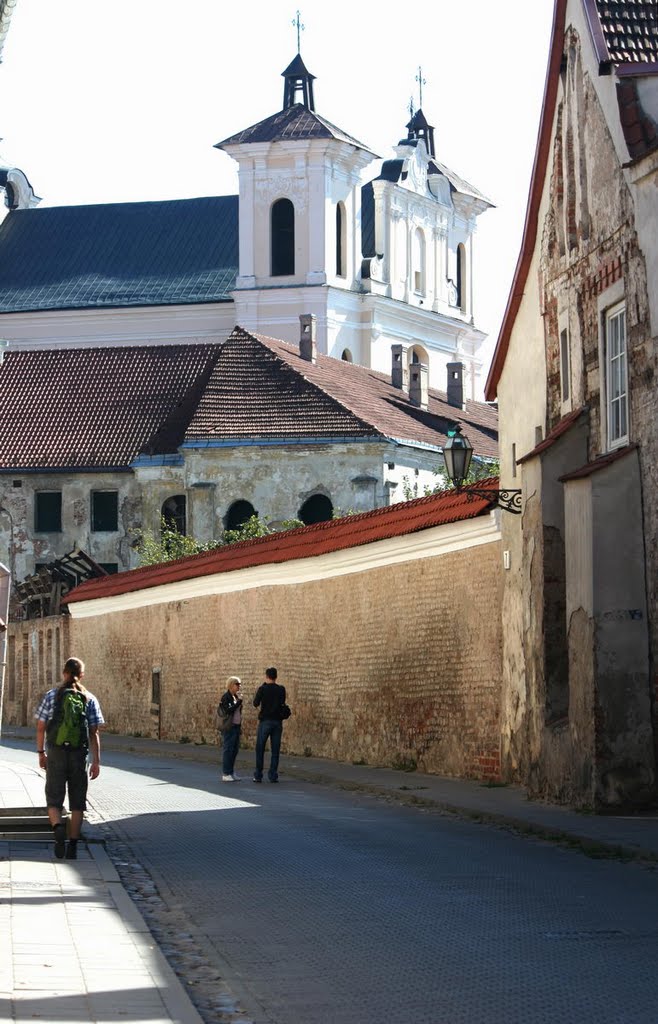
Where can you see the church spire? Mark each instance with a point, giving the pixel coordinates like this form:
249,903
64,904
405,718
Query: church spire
298,81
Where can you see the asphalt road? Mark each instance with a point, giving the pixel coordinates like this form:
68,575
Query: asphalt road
329,908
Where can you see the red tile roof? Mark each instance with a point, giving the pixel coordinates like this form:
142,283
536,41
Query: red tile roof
261,387
87,408
305,542
97,407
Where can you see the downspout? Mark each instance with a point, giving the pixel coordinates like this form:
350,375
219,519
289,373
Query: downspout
5,586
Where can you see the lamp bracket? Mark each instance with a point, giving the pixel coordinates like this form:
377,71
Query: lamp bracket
508,499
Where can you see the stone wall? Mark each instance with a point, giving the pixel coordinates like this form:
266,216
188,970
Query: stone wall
36,651
396,665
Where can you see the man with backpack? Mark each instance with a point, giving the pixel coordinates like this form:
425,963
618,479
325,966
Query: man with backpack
68,718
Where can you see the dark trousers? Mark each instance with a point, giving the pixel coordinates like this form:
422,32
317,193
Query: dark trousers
231,745
268,729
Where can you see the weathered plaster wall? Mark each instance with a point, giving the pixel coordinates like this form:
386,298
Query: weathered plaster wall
277,481
25,546
588,258
36,651
393,665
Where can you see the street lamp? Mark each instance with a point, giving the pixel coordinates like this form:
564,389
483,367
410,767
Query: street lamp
457,454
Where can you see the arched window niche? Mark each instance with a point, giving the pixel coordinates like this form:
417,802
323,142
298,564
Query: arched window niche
417,354
238,513
341,241
347,356
418,261
282,223
174,513
316,509
461,277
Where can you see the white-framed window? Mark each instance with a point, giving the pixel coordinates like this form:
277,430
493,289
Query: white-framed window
616,375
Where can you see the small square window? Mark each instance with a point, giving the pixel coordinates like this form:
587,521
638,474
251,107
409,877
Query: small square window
104,511
110,567
48,511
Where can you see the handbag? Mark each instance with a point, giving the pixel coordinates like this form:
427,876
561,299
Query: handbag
284,712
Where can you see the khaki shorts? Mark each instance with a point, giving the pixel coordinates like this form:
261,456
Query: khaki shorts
66,768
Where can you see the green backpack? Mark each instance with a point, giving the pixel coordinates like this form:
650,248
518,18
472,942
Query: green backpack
69,725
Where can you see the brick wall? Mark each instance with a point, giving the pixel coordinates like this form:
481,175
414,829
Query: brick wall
395,665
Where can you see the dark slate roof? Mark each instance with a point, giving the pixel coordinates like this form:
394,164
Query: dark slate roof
630,30
261,387
297,69
119,254
296,122
98,407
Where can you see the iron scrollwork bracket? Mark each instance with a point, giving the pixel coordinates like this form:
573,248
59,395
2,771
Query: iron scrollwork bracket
508,499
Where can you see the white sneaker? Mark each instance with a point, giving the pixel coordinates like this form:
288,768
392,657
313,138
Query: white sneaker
236,778
228,778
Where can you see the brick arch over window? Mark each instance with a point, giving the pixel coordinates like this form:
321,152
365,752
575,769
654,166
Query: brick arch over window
174,513
316,509
282,238
238,514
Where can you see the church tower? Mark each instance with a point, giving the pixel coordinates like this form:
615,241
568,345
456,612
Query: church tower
300,212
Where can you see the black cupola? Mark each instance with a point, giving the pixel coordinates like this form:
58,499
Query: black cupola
419,128
298,81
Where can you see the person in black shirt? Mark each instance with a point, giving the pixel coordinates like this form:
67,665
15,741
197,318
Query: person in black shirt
270,698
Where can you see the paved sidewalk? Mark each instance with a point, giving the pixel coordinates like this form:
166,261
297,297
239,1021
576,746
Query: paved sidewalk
623,835
72,945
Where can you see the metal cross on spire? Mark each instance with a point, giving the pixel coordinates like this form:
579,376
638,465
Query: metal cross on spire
296,21
421,82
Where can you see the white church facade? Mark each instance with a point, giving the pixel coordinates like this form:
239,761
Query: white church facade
381,263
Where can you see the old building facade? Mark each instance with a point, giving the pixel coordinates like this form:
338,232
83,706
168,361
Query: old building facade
575,376
96,445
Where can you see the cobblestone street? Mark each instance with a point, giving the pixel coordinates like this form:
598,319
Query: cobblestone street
316,906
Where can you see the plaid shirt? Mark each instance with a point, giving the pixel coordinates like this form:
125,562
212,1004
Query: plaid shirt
46,709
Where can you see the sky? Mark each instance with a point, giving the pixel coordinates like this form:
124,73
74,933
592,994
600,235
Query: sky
119,100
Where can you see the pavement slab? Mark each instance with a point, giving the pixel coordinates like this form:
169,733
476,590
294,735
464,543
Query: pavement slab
73,947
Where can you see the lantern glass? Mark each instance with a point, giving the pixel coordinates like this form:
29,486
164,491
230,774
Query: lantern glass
457,454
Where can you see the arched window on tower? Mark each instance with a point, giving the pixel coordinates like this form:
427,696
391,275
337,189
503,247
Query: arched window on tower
238,514
418,261
417,354
283,238
461,277
341,241
316,509
174,513
347,356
